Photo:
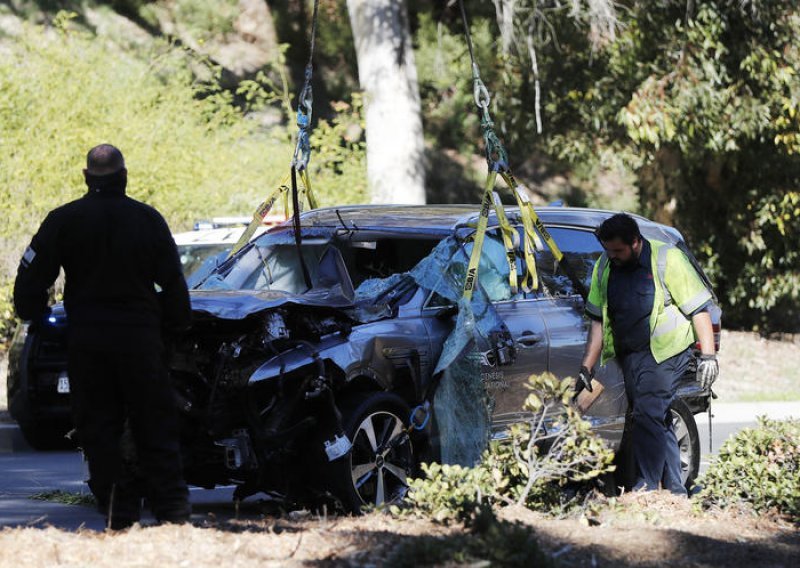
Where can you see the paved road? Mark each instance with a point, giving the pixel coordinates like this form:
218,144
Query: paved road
24,472
729,418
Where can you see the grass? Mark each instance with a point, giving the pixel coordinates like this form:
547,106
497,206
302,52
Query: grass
769,396
65,497
754,369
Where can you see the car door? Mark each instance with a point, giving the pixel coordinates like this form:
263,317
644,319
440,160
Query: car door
562,309
504,371
506,381
507,384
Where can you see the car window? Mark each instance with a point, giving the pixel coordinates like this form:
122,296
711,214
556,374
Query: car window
382,257
194,255
492,272
581,249
275,267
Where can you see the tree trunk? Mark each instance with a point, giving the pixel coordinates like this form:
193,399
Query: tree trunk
388,77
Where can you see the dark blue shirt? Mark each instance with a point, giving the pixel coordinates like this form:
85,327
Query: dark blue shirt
630,302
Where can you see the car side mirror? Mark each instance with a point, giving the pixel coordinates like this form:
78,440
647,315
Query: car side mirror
447,312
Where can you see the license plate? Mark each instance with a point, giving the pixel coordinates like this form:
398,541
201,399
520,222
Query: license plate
63,383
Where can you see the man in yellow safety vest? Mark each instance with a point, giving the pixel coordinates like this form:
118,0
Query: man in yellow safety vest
648,306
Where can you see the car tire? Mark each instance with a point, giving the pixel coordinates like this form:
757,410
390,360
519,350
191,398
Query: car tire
45,436
688,441
376,469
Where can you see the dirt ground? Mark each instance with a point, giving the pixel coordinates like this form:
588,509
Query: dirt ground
633,530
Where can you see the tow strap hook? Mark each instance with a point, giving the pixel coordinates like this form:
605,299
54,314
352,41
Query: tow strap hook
420,416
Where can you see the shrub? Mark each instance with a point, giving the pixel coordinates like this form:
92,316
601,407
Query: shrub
759,467
542,456
450,492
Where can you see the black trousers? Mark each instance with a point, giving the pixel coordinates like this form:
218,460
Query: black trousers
651,388
108,389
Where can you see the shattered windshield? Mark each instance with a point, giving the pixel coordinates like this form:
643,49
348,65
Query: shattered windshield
272,263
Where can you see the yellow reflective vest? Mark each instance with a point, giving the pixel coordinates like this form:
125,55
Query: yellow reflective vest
679,292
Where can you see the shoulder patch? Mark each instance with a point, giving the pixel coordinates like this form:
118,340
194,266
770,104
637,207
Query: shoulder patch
28,257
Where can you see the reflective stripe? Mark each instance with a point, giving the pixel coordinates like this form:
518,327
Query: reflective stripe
602,264
661,268
29,255
594,310
671,319
692,304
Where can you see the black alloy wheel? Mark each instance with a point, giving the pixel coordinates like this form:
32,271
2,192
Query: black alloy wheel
376,469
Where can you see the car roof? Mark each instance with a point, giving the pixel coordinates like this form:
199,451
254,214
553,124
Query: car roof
443,219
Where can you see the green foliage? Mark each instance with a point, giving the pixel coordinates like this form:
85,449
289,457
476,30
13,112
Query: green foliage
489,542
202,20
130,8
207,19
7,318
555,448
721,99
339,153
189,151
698,103
759,467
445,84
450,493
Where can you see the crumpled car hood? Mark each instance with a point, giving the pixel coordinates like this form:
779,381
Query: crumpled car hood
239,304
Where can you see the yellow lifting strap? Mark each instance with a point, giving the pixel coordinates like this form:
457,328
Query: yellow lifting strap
527,210
480,233
306,191
497,160
531,242
491,200
261,212
264,209
510,240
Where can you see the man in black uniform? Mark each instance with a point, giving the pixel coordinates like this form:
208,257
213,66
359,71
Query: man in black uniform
115,251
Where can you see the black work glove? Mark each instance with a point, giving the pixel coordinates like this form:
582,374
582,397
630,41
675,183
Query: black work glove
584,381
707,370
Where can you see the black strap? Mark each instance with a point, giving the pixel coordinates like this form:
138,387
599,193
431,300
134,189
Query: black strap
298,239
302,151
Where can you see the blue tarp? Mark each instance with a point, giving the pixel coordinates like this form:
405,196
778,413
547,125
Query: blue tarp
462,407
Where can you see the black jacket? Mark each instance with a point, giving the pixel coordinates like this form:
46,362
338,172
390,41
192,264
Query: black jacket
114,251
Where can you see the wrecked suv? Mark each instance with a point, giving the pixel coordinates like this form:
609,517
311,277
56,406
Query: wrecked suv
334,372
337,370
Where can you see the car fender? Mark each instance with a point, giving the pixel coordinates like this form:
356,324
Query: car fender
364,353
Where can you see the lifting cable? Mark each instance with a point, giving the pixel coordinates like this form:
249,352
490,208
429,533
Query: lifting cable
497,160
299,165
